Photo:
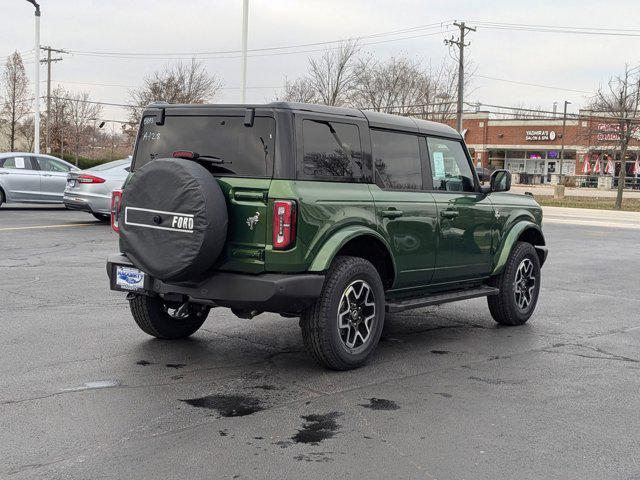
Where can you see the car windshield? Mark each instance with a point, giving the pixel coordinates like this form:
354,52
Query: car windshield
242,150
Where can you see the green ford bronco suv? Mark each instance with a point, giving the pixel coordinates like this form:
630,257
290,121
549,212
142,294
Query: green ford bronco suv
337,216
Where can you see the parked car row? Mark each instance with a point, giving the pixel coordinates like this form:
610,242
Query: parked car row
90,190
31,178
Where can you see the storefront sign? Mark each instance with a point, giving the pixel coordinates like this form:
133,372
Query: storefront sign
539,135
611,132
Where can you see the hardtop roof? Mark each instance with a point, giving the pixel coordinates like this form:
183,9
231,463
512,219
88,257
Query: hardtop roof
375,119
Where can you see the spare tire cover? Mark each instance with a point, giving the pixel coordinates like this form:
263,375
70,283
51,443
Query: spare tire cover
173,219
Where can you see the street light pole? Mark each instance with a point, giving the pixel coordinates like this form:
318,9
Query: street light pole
243,72
564,126
36,122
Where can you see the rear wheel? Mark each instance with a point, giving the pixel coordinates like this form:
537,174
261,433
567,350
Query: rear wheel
103,217
343,327
167,321
1,197
519,285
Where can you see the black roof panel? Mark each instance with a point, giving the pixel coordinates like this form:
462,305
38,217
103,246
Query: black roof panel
375,119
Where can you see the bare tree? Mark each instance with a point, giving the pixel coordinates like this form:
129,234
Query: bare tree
60,118
620,101
330,78
299,90
402,86
25,131
82,116
17,104
175,83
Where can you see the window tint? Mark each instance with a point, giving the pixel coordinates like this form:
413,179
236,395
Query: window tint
247,151
449,166
396,159
331,151
23,163
50,165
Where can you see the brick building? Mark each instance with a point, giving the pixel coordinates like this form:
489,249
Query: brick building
532,146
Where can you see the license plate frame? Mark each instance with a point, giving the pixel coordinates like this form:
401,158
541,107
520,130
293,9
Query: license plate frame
128,279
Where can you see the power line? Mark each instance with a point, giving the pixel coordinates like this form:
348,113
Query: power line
264,49
563,30
530,84
139,86
259,54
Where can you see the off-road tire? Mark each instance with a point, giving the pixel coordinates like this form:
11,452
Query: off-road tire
503,306
152,318
103,217
319,322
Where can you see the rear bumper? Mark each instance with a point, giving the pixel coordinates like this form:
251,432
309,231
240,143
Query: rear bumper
267,292
91,204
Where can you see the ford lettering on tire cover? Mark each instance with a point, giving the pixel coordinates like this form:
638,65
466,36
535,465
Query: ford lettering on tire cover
173,219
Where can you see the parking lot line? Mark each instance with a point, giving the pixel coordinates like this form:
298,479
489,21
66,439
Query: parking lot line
36,227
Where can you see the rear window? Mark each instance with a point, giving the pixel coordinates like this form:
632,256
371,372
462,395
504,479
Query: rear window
246,150
109,165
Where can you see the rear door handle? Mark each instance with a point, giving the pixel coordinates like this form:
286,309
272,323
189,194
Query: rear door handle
46,175
449,213
391,213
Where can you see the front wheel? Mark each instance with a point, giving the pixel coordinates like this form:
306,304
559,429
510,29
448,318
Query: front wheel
159,319
519,285
343,327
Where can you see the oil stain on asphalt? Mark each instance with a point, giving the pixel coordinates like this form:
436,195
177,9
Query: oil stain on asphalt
381,404
228,405
317,427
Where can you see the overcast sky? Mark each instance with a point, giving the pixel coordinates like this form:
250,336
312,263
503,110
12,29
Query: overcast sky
566,61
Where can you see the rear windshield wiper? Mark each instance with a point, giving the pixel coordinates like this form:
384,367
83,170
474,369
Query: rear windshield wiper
189,155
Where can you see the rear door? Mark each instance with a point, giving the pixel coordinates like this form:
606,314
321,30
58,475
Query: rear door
20,179
465,214
53,178
406,212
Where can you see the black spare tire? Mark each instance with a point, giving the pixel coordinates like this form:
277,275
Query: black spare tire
173,219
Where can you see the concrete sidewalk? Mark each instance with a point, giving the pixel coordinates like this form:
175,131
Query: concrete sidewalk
591,217
574,192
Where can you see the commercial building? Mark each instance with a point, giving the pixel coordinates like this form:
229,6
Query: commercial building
531,147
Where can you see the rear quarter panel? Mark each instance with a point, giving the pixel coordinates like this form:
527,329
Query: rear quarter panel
324,208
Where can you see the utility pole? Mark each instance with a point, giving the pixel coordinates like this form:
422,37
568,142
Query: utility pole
460,44
48,61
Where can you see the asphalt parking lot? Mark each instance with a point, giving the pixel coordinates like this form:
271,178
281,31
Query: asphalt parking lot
449,395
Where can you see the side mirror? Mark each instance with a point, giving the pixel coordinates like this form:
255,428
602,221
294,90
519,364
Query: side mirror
500,181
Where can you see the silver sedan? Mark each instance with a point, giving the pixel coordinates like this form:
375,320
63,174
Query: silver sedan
31,178
90,190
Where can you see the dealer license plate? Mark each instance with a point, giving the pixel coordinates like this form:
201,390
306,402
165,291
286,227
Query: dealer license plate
129,278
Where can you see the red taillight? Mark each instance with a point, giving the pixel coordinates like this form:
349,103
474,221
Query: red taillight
86,178
116,200
284,224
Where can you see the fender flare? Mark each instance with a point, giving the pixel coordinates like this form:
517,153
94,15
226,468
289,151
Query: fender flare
332,246
509,240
